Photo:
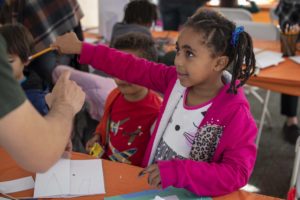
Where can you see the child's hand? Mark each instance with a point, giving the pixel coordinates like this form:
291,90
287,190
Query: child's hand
154,175
91,142
68,44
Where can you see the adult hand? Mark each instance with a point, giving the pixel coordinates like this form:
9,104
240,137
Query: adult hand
154,175
66,93
68,44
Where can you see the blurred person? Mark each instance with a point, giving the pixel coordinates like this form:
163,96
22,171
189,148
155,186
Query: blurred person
252,7
288,12
175,13
139,16
45,20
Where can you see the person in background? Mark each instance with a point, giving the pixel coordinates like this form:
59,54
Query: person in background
139,16
130,110
174,13
288,12
35,142
45,20
252,7
19,48
204,137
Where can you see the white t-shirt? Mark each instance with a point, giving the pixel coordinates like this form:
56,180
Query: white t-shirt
180,132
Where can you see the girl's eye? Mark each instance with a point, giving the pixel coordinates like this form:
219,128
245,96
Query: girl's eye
10,61
189,54
177,49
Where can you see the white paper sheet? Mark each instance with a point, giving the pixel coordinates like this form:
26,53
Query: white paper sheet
86,177
69,178
267,59
257,50
295,59
17,185
54,182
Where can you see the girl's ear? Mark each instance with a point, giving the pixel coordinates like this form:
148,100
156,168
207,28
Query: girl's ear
221,63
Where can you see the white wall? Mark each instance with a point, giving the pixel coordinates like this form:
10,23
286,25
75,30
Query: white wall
90,10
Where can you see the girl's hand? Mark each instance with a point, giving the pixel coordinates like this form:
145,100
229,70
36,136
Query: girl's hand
91,142
68,44
154,175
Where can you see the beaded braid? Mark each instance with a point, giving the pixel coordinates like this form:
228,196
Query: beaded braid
217,32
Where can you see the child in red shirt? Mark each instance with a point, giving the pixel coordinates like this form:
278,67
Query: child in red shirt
130,110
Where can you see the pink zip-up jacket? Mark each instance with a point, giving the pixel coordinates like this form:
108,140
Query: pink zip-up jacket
233,160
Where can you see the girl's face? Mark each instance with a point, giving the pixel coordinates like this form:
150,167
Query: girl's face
17,66
193,61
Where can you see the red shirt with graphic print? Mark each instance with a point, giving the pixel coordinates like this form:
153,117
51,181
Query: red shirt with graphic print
130,124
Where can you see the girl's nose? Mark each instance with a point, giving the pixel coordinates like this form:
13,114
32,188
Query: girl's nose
178,61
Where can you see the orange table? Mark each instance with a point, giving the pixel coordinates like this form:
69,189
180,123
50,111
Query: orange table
283,78
119,179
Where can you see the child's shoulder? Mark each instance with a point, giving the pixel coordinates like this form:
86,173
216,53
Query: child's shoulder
226,100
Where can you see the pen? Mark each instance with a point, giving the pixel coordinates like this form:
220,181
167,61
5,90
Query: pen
40,53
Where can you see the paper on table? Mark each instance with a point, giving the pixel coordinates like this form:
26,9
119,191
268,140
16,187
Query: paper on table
257,50
54,182
295,59
69,178
268,58
17,185
86,177
173,197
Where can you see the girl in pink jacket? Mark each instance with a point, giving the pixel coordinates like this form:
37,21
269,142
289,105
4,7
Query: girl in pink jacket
204,136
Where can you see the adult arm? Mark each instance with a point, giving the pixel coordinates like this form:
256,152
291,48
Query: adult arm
36,143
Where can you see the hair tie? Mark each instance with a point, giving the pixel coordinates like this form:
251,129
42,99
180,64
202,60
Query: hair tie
236,34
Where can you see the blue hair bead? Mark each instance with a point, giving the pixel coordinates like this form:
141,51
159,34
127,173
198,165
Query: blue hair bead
236,34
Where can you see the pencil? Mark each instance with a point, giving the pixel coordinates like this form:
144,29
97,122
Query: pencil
40,53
